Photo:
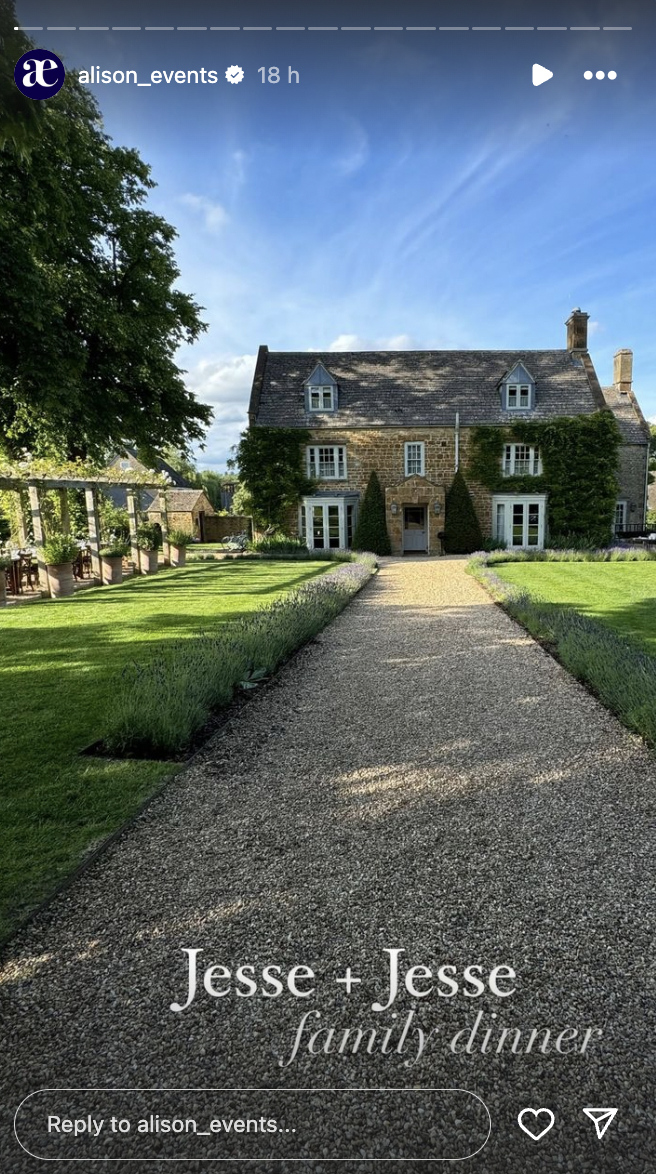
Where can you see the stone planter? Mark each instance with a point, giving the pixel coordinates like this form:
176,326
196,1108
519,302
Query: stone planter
112,569
60,580
177,555
3,589
148,562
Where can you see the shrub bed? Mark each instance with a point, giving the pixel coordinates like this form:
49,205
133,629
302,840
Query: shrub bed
160,706
578,554
622,675
281,546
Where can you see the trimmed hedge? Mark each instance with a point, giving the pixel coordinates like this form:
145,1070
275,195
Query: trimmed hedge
462,530
621,674
160,706
371,529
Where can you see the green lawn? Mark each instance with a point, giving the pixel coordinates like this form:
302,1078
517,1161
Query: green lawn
621,594
60,663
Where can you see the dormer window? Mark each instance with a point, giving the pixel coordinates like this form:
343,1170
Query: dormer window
320,391
519,395
518,390
321,399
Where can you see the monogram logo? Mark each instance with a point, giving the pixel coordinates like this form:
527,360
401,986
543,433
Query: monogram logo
39,74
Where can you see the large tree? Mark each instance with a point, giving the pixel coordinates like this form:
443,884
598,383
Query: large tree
19,116
90,313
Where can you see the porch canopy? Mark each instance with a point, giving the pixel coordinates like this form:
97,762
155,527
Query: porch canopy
34,485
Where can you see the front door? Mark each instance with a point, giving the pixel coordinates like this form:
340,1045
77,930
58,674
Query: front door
415,537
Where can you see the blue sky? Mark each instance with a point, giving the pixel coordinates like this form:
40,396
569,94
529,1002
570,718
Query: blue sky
413,190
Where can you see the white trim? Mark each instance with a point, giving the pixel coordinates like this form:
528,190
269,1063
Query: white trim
519,390
530,456
504,524
323,503
414,444
321,392
317,469
622,504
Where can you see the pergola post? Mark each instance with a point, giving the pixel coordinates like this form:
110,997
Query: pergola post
21,519
164,525
39,536
132,514
93,526
65,512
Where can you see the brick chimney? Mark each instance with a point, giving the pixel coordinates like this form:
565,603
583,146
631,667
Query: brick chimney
577,331
623,371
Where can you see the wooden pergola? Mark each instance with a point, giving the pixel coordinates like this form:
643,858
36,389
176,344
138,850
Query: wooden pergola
35,485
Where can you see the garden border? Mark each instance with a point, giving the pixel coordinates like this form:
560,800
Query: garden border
227,714
614,669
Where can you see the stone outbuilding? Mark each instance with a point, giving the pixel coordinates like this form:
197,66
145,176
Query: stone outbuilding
187,509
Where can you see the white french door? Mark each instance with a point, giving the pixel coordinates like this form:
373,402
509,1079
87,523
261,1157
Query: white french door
519,521
328,523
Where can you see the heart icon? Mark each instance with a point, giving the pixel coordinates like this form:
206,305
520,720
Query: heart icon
534,1126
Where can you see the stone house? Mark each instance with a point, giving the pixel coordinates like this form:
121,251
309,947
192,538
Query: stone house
410,415
186,509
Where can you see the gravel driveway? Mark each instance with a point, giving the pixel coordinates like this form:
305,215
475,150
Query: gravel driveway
425,778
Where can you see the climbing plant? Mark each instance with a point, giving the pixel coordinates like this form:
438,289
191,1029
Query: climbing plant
579,469
271,467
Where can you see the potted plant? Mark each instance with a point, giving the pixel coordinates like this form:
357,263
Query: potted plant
178,541
60,552
112,555
148,541
5,565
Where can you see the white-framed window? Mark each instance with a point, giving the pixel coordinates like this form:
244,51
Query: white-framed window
620,514
519,521
328,522
327,462
520,460
518,396
415,458
321,399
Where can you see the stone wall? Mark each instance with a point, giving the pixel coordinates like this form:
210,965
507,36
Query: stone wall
220,526
632,477
382,449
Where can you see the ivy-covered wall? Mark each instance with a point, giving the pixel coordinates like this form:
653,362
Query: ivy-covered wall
580,457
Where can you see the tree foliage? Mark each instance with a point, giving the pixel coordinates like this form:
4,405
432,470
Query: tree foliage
272,471
371,529
462,529
90,313
20,117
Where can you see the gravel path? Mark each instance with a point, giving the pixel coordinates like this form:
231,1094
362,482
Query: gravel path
423,777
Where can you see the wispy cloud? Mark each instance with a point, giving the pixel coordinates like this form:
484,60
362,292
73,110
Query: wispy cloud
355,151
213,214
355,342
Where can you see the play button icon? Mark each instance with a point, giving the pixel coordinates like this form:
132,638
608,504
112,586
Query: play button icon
540,75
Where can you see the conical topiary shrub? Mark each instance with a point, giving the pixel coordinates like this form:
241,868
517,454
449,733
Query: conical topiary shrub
371,530
462,531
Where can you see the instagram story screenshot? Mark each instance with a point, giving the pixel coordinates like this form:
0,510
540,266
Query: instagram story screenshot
327,586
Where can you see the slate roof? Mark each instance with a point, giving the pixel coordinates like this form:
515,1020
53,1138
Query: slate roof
183,501
419,388
632,424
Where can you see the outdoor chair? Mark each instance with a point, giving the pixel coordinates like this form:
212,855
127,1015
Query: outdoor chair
29,571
